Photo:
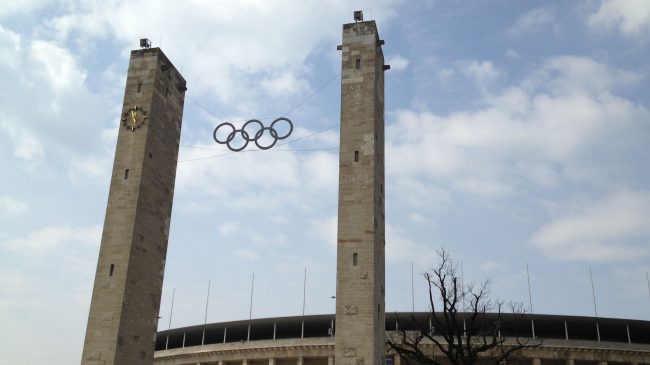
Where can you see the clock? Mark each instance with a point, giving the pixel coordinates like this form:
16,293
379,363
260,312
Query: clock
134,118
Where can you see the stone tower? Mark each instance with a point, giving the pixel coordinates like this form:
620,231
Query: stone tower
360,246
128,282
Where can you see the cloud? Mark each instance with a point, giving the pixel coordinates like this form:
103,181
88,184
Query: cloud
566,75
226,57
228,228
490,265
401,248
10,48
610,229
12,206
246,254
397,62
417,218
47,276
92,168
285,84
483,72
49,115
27,147
630,17
56,65
545,130
325,229
531,20
272,179
17,8
49,239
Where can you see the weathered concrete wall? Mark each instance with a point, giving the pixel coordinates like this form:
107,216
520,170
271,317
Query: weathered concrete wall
360,248
320,351
128,281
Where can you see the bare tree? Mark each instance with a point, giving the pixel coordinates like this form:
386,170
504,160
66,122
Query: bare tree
470,323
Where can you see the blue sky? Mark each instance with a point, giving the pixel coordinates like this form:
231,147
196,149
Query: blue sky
516,133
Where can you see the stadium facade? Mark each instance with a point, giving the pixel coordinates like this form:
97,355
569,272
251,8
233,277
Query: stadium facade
310,340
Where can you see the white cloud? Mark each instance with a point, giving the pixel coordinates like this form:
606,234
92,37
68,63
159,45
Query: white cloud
47,276
10,48
483,72
228,228
12,206
246,254
325,230
401,248
272,179
57,65
511,53
397,62
19,7
531,20
630,17
445,74
321,170
565,75
27,146
48,114
285,84
48,239
546,130
615,227
91,168
490,265
225,57
417,218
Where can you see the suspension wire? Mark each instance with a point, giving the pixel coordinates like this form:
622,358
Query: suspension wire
296,106
292,141
312,94
293,108
205,109
279,145
309,135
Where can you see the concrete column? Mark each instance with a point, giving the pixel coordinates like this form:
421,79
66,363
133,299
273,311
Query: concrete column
397,360
570,362
271,361
220,362
330,360
537,361
602,363
360,256
299,361
244,362
131,262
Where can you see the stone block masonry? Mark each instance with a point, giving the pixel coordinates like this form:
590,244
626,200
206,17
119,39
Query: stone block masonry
360,274
123,316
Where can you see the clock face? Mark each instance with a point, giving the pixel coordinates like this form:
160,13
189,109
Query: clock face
134,118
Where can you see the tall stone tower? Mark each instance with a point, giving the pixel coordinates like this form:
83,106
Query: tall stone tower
128,281
360,248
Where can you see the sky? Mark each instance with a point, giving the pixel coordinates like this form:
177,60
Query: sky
517,136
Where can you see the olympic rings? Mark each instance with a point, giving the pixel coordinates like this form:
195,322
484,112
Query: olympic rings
246,134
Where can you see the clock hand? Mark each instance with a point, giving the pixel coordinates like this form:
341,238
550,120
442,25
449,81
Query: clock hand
133,118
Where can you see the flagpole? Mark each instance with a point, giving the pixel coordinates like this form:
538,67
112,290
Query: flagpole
530,296
304,293
171,311
205,320
593,291
593,294
412,290
250,311
462,286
